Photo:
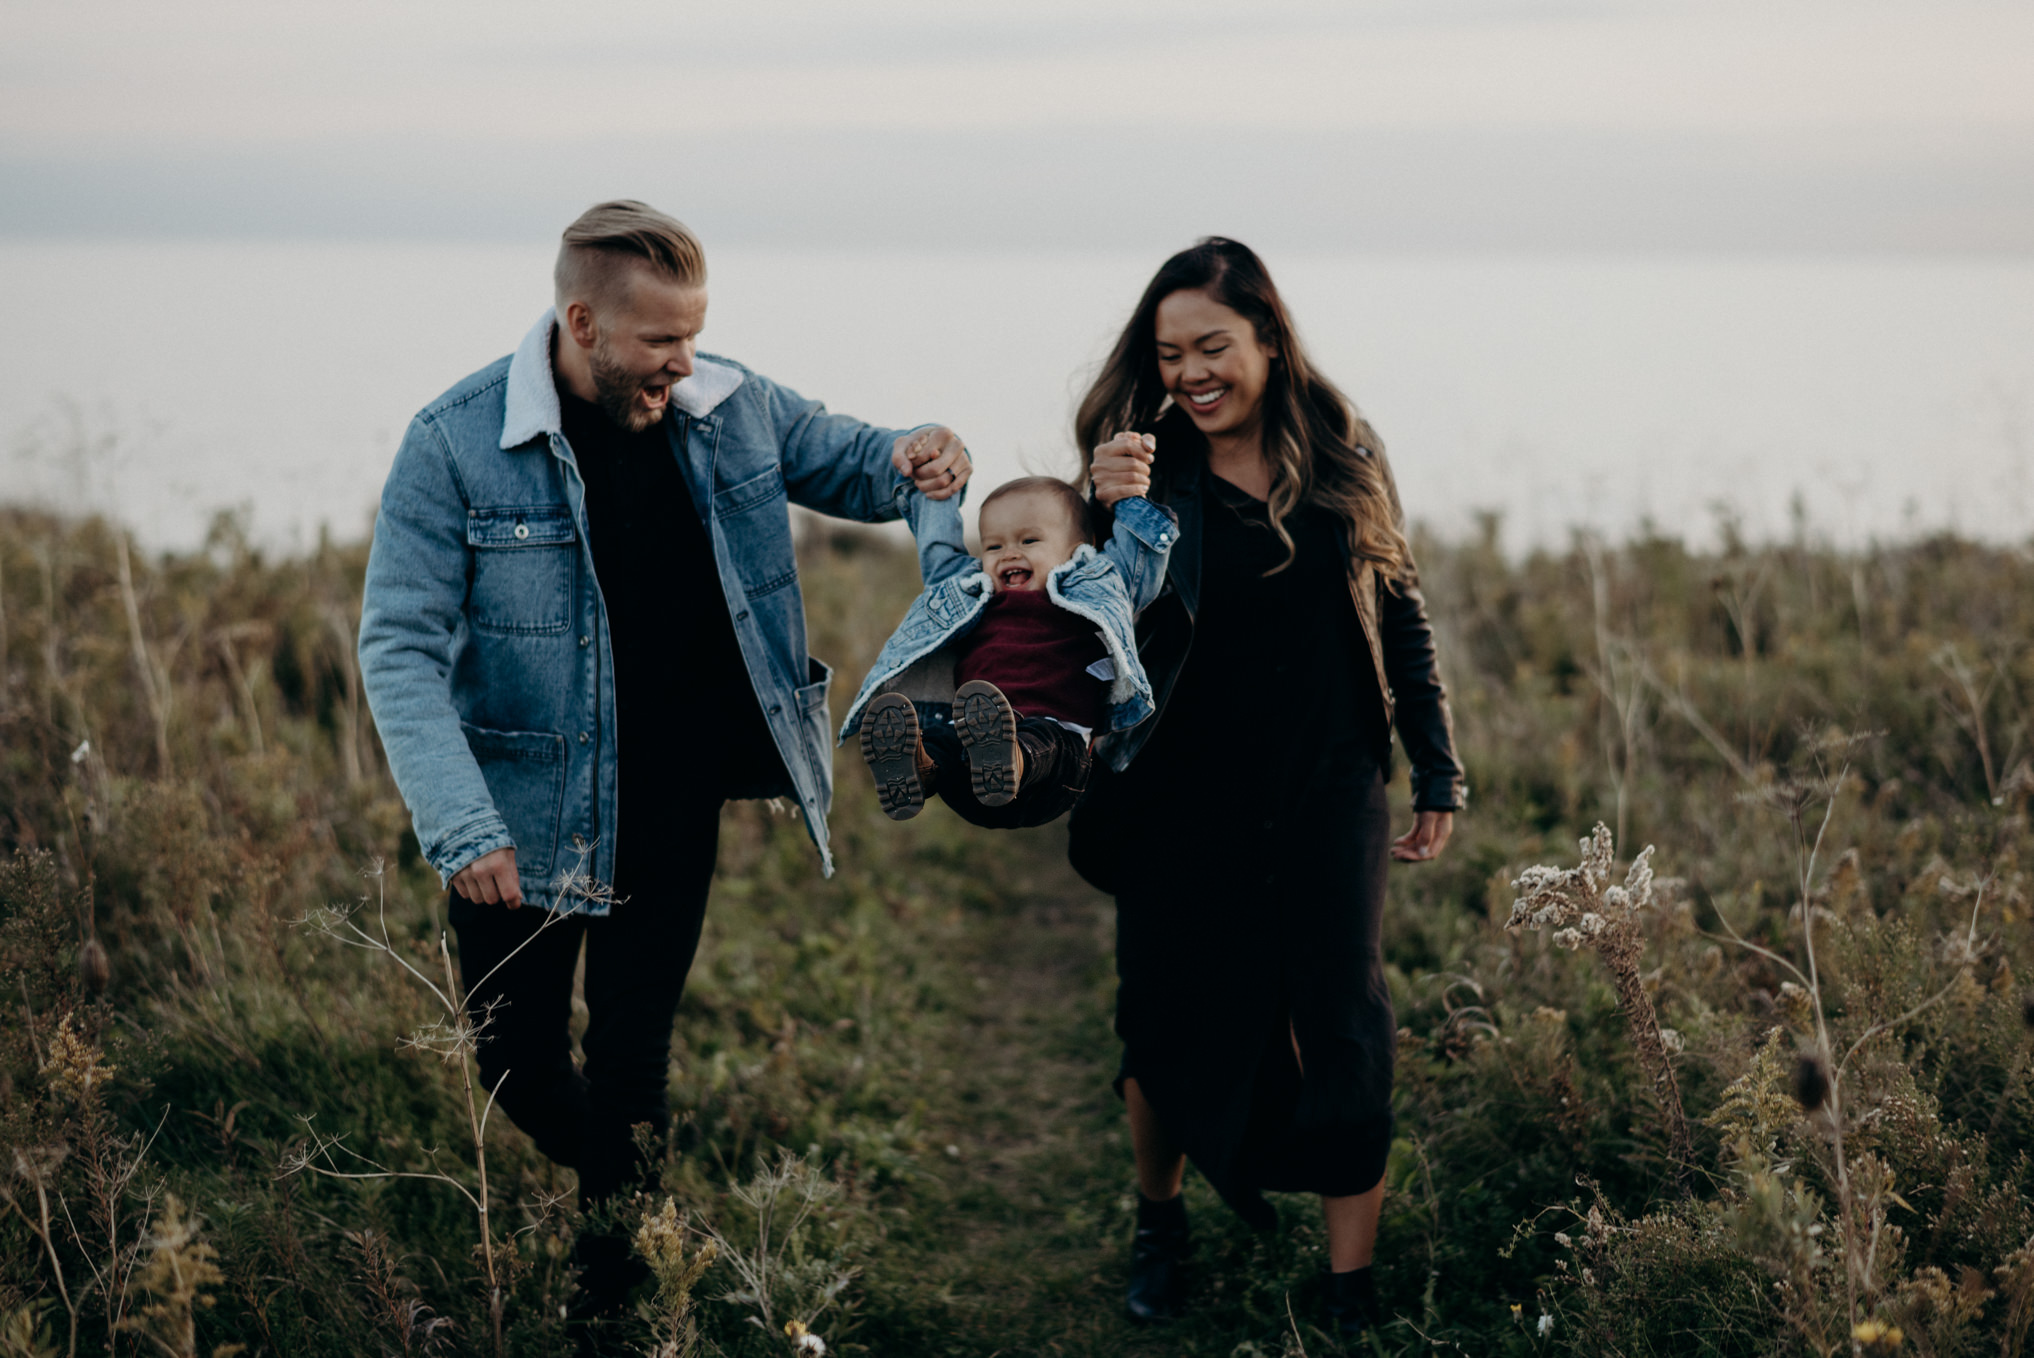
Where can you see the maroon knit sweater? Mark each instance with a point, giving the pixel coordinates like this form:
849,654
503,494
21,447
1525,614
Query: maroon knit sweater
1038,654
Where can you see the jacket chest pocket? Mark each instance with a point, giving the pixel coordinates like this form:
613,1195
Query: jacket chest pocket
755,516
523,562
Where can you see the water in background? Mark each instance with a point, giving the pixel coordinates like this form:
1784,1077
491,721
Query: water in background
164,381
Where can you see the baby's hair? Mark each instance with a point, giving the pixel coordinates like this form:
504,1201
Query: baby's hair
1072,500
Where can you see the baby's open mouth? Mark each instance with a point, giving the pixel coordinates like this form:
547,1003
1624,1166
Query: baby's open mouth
1014,577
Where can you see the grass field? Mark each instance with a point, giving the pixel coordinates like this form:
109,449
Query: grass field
1778,1103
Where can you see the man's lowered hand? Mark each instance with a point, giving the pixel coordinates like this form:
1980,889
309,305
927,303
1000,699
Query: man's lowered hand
491,880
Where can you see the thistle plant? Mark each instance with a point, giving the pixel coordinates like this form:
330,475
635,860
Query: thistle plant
1584,908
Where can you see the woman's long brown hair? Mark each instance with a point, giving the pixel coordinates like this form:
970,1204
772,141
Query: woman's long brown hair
1321,451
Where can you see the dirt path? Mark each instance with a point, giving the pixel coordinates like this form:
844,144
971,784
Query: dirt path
1040,1199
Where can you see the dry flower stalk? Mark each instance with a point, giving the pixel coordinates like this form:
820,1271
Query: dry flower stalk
665,1241
178,1273
1585,908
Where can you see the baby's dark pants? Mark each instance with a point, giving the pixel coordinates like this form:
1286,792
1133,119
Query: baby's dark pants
1056,765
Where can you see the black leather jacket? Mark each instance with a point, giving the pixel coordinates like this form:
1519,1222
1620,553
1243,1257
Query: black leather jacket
1394,619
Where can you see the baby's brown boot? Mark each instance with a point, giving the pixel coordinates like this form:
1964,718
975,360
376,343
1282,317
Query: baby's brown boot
987,726
895,755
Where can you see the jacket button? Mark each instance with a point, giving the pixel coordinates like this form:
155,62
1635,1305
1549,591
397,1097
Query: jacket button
586,641
522,530
584,738
742,616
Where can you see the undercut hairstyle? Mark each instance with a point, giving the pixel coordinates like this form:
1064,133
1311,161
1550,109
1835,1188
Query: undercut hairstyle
1321,451
1070,499
610,240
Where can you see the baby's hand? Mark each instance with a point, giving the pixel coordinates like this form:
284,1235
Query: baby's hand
1121,469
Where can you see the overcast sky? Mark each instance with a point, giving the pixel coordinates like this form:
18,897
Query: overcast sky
1303,125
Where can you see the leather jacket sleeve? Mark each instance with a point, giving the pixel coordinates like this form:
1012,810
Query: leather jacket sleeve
1424,724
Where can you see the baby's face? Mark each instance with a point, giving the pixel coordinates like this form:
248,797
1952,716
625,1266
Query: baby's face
1024,536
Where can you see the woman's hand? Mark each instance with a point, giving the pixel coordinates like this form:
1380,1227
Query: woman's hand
1121,469
1424,842
936,461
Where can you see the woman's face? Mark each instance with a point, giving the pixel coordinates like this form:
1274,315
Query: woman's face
1211,362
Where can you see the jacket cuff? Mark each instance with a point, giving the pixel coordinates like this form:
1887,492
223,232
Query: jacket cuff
1439,792
473,840
1151,524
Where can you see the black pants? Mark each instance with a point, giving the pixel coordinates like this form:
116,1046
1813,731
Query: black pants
637,957
1056,765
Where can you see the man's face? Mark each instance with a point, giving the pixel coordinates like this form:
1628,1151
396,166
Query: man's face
642,346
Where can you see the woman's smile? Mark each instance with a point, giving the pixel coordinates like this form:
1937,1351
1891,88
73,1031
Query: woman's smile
1211,361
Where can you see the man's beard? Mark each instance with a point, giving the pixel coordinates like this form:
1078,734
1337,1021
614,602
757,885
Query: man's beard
617,389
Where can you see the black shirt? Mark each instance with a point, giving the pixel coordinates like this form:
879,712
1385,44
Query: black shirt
688,722
1279,684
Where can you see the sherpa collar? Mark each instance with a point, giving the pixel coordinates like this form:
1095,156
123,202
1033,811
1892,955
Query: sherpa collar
532,408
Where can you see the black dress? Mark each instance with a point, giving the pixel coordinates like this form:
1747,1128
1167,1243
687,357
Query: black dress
1249,907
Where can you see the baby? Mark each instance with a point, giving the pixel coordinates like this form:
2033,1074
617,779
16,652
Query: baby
993,687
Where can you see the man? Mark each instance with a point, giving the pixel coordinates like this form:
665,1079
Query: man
582,633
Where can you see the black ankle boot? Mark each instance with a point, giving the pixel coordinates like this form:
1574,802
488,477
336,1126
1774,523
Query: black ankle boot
1351,1303
1157,1254
595,1315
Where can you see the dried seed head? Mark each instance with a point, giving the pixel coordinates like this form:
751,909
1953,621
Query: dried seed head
95,969
1811,1081
1794,1005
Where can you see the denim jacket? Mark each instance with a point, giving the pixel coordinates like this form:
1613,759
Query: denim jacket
483,638
1106,587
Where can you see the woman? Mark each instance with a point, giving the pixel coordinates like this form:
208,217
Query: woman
1244,829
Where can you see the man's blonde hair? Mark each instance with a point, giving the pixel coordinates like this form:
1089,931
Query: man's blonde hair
598,252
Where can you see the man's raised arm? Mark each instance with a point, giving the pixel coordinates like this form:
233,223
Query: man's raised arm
838,465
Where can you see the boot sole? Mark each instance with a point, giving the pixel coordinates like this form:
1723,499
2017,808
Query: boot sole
890,746
987,726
